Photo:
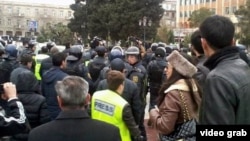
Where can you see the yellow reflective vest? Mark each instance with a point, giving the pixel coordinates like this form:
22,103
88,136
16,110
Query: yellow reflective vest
38,59
108,106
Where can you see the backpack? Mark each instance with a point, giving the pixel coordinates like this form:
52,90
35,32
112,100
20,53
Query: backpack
75,69
95,69
155,73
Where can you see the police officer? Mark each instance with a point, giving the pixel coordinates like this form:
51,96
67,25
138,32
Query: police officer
155,75
138,75
149,55
75,64
98,63
91,53
10,62
31,51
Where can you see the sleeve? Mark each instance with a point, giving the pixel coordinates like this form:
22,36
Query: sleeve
217,102
136,104
165,119
130,122
44,116
40,70
100,86
15,122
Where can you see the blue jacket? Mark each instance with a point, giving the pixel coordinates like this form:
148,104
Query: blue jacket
49,80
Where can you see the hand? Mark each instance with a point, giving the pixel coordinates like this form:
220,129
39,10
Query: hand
9,90
139,138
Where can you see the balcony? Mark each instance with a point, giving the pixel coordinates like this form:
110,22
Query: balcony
19,27
21,15
45,16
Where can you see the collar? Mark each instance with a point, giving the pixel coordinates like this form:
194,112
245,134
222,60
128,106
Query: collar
223,54
181,85
75,114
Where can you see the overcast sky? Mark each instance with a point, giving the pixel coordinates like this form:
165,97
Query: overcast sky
59,2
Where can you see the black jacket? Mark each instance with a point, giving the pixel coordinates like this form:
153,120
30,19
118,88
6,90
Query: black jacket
15,123
75,125
227,89
34,104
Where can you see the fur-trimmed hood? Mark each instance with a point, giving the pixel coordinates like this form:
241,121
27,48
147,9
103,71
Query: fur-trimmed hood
181,85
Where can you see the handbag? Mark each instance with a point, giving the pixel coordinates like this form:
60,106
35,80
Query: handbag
185,131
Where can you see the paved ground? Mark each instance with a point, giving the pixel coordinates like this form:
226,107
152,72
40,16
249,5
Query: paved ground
151,133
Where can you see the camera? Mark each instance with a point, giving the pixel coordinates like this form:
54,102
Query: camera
133,39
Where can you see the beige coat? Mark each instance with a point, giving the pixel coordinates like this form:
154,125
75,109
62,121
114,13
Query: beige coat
171,109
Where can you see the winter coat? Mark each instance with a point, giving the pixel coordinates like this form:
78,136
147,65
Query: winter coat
171,109
227,89
48,89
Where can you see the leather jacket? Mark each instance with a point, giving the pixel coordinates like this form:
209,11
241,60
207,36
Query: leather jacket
227,88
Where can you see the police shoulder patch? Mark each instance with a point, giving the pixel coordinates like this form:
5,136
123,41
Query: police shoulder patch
135,79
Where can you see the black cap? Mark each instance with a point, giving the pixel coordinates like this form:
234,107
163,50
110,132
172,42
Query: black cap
117,64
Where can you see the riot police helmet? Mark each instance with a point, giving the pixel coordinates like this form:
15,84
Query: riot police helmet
154,46
160,52
11,51
75,53
115,53
133,50
32,43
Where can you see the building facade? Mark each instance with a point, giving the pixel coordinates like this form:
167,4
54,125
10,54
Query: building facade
25,19
218,7
169,17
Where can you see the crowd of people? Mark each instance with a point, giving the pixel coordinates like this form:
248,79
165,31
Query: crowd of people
100,93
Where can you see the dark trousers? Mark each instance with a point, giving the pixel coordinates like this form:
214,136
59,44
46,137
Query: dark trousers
153,97
141,124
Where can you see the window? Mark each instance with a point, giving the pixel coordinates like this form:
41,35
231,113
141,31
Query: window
234,9
180,14
28,11
207,0
9,10
173,15
36,11
185,15
18,22
53,13
226,10
61,14
213,0
0,21
27,22
45,12
69,14
18,10
213,10
9,21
